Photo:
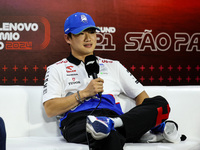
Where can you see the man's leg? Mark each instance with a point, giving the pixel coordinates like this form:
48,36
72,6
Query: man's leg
136,122
74,130
101,130
142,118
2,135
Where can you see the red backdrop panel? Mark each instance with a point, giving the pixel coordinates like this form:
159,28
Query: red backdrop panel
157,41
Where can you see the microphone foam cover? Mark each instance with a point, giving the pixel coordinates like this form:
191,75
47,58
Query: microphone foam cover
91,65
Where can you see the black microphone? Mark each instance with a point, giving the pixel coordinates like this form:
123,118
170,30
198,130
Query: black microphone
92,67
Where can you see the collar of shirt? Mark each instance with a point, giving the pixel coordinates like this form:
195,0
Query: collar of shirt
73,60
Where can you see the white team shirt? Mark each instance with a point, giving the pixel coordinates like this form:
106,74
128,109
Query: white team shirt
69,76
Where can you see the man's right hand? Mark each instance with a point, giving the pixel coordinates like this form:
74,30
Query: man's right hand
95,86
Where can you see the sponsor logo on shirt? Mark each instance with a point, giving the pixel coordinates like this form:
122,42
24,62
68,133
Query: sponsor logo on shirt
74,82
106,61
45,82
70,69
73,74
60,62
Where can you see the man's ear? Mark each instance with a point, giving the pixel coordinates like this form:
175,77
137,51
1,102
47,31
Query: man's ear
67,38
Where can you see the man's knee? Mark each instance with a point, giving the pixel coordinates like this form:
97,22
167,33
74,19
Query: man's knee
162,107
157,101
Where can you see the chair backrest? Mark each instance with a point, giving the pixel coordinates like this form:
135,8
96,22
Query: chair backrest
23,113
22,110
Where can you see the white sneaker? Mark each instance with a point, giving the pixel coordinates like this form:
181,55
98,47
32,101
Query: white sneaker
171,133
99,127
151,137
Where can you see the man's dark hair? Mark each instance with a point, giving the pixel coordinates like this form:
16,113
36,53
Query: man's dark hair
70,35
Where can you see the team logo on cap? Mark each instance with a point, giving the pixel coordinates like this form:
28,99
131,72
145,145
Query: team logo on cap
84,19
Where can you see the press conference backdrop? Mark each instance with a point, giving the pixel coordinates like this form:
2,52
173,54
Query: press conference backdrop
158,41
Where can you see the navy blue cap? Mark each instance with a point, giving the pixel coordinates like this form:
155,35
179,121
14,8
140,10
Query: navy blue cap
78,22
